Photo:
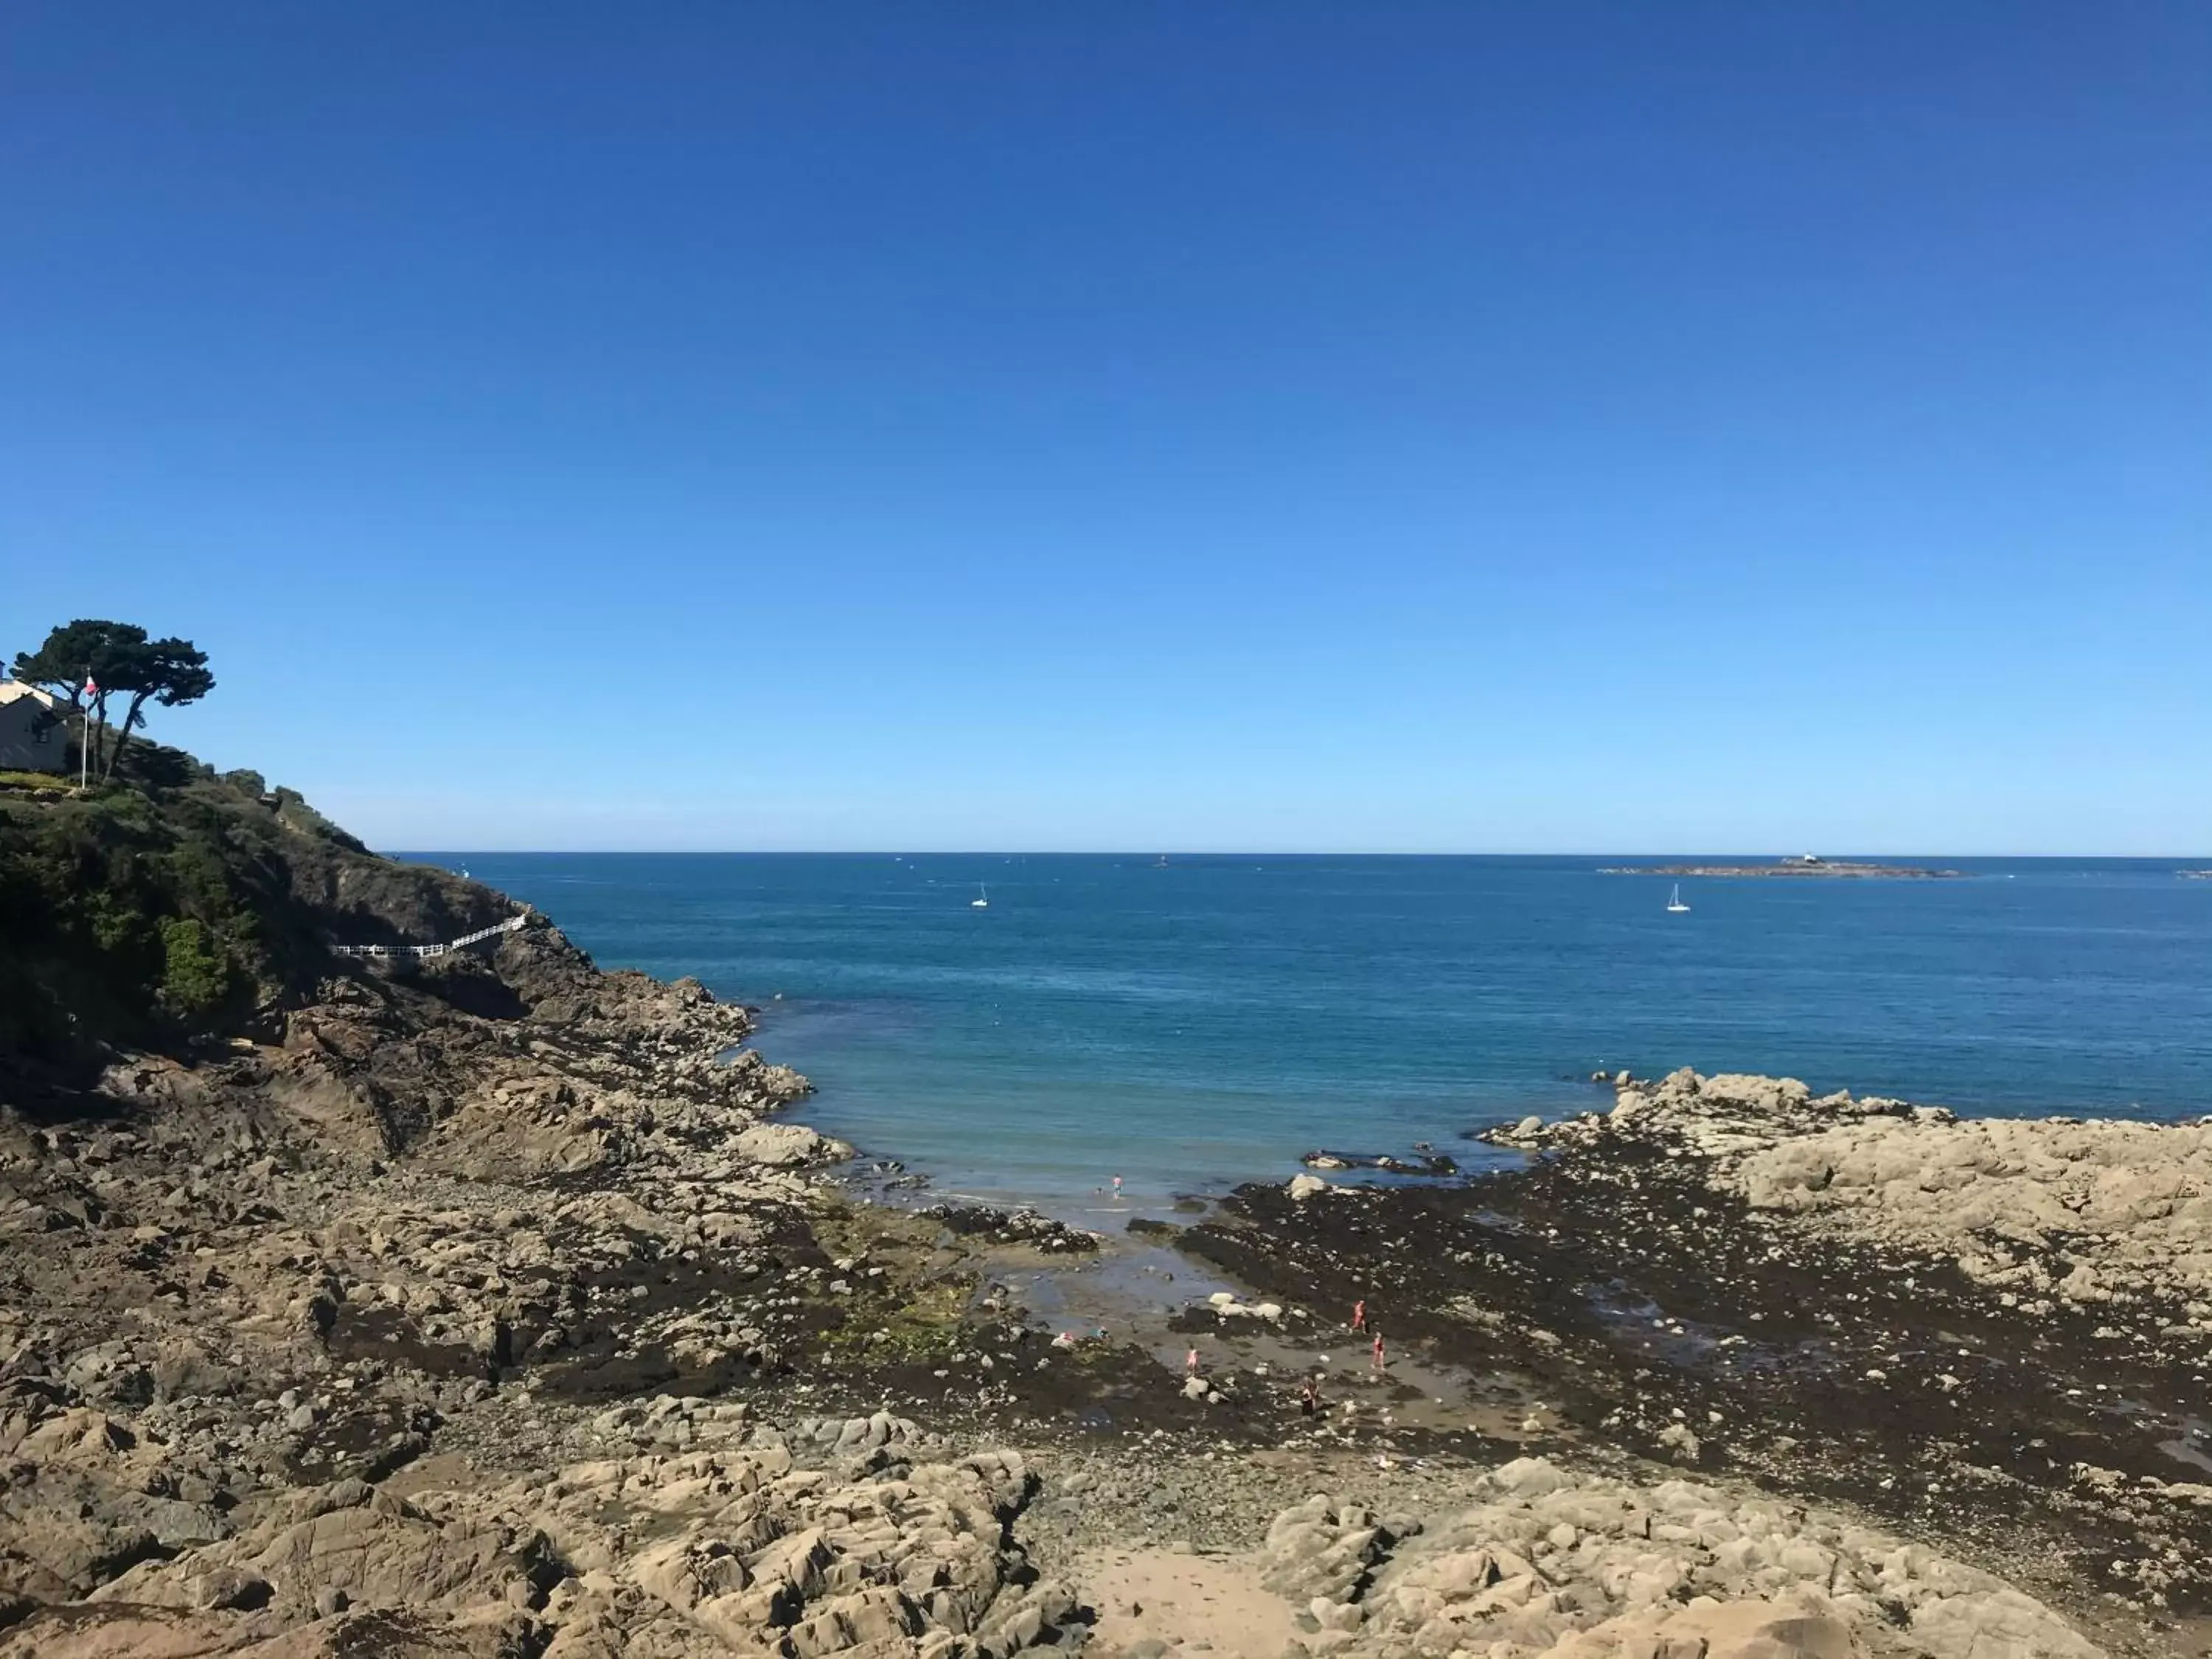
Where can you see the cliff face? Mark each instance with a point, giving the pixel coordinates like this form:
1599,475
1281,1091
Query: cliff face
186,907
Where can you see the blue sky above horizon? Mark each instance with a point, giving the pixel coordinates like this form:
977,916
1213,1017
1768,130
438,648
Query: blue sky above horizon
1403,428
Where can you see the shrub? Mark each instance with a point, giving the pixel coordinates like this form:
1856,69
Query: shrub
197,976
200,881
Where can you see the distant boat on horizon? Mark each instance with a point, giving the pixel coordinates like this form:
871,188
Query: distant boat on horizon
982,902
1675,905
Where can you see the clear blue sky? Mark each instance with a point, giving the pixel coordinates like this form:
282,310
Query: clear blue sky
1431,426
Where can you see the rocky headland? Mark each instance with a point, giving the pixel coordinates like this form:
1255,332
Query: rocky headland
485,1306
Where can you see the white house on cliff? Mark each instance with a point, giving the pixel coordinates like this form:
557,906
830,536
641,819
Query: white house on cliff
34,730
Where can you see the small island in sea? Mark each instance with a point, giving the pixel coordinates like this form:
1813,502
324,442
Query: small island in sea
1806,864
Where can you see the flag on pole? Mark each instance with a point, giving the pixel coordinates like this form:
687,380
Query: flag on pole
84,735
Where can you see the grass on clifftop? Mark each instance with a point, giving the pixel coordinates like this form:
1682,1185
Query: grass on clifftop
38,783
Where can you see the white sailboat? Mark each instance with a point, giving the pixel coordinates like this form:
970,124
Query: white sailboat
1675,905
983,900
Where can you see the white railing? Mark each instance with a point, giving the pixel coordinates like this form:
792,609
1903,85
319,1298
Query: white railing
481,933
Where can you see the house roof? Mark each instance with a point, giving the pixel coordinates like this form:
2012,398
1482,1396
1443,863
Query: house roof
14,690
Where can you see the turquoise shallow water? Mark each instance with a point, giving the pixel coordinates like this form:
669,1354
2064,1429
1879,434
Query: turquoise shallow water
1193,1025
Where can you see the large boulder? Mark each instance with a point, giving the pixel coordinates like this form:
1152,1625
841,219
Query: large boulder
782,1145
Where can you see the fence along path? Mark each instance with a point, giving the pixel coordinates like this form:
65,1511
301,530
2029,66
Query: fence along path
506,927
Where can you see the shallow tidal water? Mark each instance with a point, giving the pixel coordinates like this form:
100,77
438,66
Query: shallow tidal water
1191,1024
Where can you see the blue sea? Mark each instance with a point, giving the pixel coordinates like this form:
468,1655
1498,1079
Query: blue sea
1192,1023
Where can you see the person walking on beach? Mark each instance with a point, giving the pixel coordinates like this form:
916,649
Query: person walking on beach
1190,1363
1379,1361
1359,1314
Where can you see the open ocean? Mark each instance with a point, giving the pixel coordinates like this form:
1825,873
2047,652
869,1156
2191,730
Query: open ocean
1196,1025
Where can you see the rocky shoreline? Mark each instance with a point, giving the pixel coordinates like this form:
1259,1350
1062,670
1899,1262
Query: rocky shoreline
1993,1333
490,1310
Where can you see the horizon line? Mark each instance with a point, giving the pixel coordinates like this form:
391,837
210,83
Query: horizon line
1244,853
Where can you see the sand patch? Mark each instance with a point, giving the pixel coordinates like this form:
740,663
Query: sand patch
1198,1601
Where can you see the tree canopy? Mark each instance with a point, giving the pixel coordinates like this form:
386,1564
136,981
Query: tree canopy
74,653
118,659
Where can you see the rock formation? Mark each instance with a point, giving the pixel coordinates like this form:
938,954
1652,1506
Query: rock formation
1545,1562
2055,1210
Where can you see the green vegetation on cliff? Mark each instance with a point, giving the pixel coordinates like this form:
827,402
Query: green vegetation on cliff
188,906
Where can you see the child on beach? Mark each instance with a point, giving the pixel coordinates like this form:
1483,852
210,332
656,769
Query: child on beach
1379,1361
1190,1363
1359,1314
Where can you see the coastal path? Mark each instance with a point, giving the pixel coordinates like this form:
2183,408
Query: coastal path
421,950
